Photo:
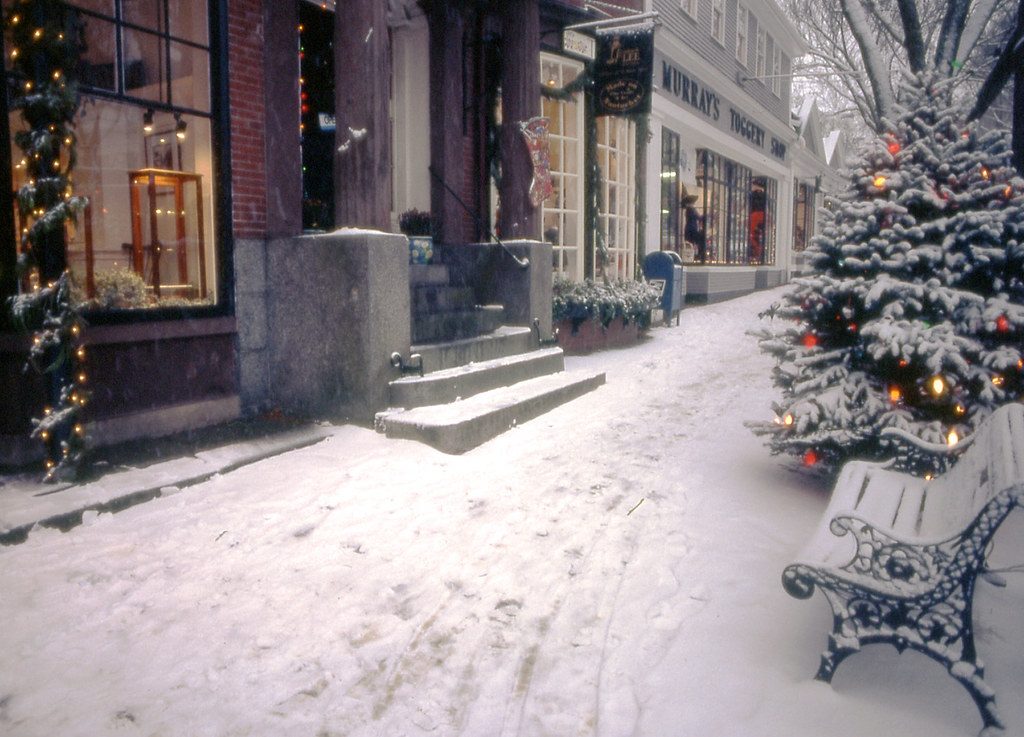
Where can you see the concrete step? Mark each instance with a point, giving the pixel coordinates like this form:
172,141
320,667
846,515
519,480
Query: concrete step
461,426
431,298
456,324
503,341
436,274
460,382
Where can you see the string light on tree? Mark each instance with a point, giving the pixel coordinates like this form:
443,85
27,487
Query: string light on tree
913,253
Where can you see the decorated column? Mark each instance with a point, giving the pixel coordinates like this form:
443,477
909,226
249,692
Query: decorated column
520,101
446,119
362,83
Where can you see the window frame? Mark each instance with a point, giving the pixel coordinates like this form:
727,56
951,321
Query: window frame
718,21
742,28
574,242
618,196
689,8
760,51
776,69
670,231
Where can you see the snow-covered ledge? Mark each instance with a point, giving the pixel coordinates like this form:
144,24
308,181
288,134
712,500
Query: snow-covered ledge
337,307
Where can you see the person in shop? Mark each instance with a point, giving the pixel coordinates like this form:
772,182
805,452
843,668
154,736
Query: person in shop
694,230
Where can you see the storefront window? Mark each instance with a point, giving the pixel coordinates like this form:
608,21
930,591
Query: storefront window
670,205
736,214
562,211
762,220
803,216
145,156
616,142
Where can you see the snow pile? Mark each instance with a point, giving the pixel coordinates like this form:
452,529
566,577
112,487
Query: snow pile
611,568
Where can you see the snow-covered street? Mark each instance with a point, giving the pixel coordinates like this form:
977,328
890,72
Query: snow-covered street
611,568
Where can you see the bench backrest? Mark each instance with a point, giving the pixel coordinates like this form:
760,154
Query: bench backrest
992,463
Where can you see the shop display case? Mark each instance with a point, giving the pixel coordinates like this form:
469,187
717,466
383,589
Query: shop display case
168,248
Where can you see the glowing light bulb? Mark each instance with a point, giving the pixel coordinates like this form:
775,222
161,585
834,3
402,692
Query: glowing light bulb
952,438
37,34
810,340
1002,324
895,394
960,409
998,380
938,385
810,457
879,182
788,419
985,173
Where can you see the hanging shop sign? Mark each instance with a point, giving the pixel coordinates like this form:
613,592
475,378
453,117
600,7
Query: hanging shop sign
698,97
579,44
535,131
623,70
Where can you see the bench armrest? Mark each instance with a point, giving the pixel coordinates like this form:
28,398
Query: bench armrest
904,565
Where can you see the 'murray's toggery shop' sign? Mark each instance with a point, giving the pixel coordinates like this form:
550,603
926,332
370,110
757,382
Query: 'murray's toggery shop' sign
623,70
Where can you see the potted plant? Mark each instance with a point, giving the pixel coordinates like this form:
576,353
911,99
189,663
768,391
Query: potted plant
416,224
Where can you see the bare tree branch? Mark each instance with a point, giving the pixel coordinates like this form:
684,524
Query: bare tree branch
949,36
874,65
912,40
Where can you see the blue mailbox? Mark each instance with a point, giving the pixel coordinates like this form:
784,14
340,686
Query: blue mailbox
666,267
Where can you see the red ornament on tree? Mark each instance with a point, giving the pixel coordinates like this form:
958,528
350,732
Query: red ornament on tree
810,457
810,340
1002,324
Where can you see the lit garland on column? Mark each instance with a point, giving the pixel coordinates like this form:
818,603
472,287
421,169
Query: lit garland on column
45,45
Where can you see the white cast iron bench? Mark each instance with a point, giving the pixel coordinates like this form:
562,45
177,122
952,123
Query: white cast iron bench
897,556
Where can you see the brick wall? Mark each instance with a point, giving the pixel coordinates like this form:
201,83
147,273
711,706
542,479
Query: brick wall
248,146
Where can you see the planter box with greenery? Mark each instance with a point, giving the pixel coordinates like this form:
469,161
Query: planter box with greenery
593,315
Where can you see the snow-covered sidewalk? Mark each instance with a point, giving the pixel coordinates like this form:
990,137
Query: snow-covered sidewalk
611,568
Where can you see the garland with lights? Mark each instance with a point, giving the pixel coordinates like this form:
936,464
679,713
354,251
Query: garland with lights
913,314
46,43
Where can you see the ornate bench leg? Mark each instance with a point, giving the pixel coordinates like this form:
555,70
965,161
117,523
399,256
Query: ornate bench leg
835,654
972,677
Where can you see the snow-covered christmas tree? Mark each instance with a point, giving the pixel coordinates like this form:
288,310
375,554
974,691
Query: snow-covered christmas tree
913,314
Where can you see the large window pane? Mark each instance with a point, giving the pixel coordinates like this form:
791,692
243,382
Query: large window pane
150,214
190,22
146,13
97,67
145,69
190,77
106,7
